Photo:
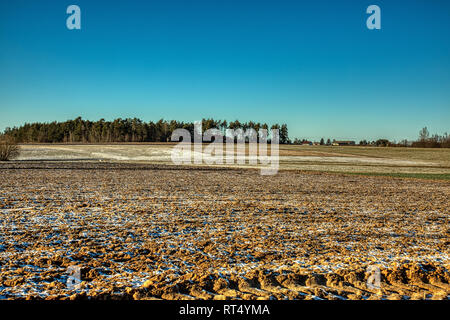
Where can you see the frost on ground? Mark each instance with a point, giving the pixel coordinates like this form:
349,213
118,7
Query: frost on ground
140,231
318,158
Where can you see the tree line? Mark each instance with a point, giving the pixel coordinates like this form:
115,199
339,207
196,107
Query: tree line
425,140
433,141
136,130
123,130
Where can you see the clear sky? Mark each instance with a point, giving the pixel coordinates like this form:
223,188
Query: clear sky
313,65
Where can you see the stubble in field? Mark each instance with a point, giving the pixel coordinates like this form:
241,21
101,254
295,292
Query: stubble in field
149,231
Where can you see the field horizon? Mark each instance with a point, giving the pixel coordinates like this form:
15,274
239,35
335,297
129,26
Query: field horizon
426,163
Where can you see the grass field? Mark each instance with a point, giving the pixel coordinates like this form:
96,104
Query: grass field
395,162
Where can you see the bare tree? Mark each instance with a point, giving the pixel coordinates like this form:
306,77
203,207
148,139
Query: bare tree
424,134
8,149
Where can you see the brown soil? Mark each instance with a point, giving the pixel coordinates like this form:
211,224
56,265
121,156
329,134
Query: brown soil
146,232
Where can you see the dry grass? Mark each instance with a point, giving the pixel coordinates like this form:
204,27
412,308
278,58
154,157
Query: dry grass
412,162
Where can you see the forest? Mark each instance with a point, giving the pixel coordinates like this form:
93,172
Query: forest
123,130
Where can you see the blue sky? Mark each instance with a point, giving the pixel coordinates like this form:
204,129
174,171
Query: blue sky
313,65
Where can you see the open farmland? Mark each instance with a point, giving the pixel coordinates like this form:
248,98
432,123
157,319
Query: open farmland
403,162
144,231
